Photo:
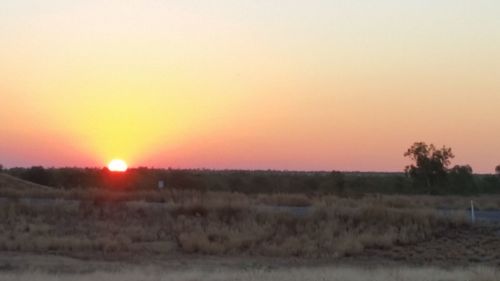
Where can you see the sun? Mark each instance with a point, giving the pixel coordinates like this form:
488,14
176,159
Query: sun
117,165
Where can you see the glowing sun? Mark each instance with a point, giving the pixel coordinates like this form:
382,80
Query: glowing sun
117,165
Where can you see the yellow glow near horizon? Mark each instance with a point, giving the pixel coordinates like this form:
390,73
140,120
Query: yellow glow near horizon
117,165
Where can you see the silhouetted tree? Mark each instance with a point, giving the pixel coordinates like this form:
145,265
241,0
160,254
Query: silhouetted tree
338,179
465,170
311,183
497,170
430,165
235,182
462,179
37,174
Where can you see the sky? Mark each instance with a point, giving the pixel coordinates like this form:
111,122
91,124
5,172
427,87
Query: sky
248,84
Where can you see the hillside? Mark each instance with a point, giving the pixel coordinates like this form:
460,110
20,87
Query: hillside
12,186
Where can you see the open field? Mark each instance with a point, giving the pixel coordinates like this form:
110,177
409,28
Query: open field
214,227
219,223
105,234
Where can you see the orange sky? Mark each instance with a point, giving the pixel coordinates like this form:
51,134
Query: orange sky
307,85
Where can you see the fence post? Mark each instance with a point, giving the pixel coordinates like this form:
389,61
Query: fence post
472,213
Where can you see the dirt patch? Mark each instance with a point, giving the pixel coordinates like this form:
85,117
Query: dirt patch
461,246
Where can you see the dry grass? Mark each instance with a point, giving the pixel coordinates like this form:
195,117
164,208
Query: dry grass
291,274
283,199
216,225
481,202
219,223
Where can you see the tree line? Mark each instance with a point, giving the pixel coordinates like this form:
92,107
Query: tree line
430,173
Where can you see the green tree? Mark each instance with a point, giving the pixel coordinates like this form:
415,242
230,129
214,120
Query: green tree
430,164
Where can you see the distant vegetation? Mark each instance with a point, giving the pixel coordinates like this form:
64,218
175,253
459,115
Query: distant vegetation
430,173
204,180
457,180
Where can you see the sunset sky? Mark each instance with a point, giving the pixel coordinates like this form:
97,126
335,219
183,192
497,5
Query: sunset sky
248,84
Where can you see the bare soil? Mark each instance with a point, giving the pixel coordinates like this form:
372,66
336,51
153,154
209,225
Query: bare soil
477,244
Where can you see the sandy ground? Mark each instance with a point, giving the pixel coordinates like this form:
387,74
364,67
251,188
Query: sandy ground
20,267
479,244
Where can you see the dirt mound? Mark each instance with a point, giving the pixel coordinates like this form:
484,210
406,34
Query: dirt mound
10,182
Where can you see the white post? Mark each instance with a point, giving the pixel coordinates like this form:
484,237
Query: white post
472,213
161,184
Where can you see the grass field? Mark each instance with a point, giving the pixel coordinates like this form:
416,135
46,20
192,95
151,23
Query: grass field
333,240
215,227
218,223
